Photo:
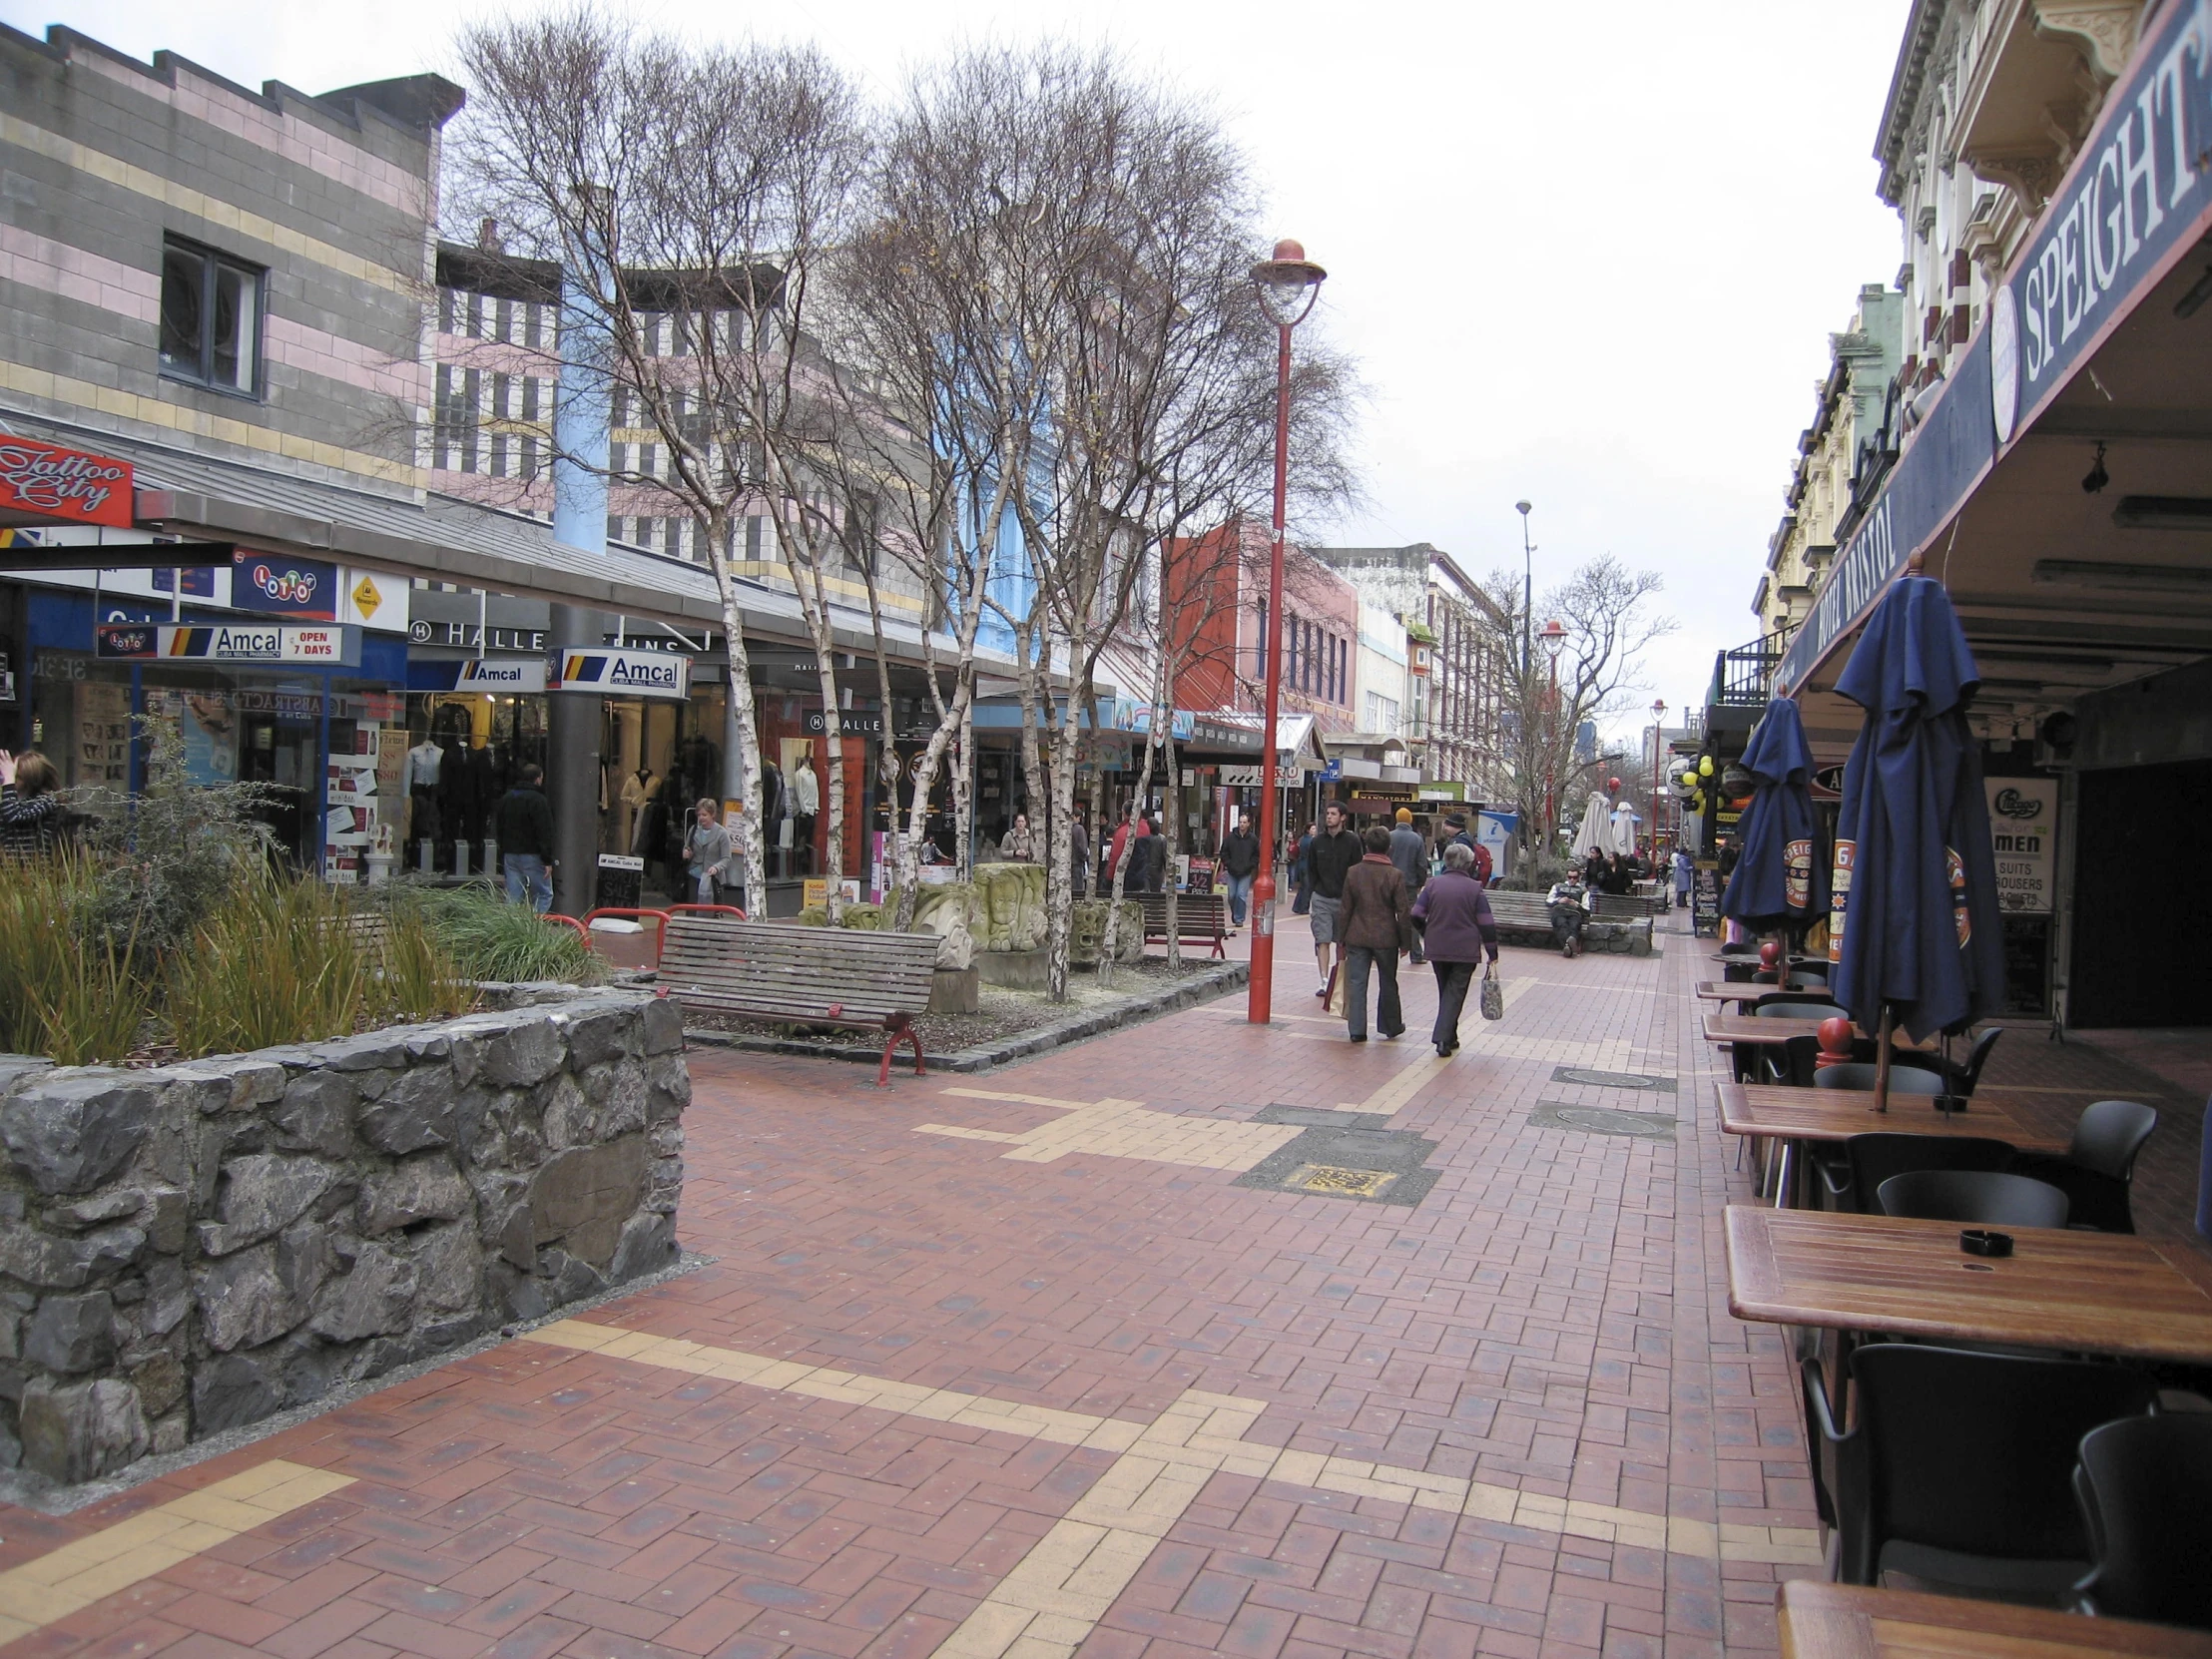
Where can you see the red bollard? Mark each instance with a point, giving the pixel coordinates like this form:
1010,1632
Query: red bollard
1836,1040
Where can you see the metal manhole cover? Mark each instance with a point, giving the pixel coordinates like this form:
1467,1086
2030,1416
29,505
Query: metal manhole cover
1602,1119
1347,1183
1611,1079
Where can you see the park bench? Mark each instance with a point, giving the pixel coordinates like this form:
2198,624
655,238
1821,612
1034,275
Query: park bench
1200,918
1525,919
1628,906
783,970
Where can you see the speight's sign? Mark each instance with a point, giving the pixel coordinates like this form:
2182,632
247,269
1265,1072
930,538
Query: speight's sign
63,486
334,644
605,672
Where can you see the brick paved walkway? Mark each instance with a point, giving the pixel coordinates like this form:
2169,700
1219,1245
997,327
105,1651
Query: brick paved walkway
1015,1364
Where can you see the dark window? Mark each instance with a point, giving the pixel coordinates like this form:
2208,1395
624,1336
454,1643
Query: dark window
211,320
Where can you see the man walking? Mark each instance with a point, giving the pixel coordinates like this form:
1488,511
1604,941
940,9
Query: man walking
1239,863
1329,859
1410,855
1374,922
1456,823
523,821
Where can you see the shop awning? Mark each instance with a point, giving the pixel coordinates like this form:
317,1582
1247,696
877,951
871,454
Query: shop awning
2066,581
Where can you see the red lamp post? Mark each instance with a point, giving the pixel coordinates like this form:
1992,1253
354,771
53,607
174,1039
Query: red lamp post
1288,285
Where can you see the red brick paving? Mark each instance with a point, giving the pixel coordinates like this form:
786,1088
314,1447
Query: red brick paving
1551,1318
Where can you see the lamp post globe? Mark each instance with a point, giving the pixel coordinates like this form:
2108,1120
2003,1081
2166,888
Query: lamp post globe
1286,286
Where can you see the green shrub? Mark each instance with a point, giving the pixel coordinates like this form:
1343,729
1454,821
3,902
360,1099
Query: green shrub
489,938
75,999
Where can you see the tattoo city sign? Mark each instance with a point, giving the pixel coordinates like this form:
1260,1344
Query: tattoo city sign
2136,202
63,486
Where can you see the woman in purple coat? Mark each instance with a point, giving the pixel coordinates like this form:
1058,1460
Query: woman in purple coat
1453,914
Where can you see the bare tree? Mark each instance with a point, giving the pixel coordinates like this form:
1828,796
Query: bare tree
689,197
1607,613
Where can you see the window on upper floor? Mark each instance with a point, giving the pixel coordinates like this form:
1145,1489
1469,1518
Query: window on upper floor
211,318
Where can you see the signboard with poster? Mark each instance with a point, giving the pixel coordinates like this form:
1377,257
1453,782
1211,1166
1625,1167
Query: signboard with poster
2023,815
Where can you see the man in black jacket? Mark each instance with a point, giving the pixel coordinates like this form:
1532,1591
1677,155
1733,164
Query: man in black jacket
1329,858
523,824
1239,863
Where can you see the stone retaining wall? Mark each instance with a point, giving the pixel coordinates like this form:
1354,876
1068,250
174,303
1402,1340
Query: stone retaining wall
189,1248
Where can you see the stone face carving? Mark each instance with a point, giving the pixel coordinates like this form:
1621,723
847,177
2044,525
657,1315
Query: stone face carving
186,1249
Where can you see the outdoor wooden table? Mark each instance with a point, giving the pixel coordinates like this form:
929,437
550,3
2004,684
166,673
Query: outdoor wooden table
1852,1621
2087,1292
1715,991
1777,1112
1751,1029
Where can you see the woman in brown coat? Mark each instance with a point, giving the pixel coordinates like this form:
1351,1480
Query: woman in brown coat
1373,923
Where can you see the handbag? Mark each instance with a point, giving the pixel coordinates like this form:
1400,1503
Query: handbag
1336,1003
1493,993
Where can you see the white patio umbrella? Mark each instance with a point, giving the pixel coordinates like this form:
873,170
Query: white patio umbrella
1624,821
1595,832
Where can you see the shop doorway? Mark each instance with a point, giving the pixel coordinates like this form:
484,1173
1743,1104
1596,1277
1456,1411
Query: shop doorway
2138,917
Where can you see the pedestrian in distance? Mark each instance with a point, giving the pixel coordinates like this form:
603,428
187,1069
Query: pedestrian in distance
1456,823
1021,843
1453,914
1375,925
1079,856
708,850
1685,874
1240,863
1155,857
1330,856
1410,855
523,824
30,811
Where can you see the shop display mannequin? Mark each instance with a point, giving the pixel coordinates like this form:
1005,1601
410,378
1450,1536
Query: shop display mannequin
424,763
637,789
806,798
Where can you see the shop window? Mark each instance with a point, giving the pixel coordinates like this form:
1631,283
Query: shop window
211,329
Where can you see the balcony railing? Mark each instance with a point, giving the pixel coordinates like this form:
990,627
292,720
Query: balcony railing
1744,677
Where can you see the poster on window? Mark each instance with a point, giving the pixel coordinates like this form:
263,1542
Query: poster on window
2023,820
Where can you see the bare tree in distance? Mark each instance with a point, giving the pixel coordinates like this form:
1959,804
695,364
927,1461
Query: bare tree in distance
1608,616
690,195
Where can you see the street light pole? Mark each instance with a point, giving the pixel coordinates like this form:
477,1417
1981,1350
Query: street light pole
1658,736
1528,592
1288,285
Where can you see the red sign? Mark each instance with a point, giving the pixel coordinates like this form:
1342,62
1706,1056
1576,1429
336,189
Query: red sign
63,486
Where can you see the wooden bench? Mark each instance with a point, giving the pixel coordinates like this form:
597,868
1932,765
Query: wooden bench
1627,906
781,971
1200,918
1528,916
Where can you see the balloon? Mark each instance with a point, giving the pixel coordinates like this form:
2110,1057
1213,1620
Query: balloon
1613,784
1705,765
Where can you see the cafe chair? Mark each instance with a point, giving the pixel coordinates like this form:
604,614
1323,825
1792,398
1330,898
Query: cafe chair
1869,1160
1959,1471
1963,1075
1859,1074
1797,1005
2099,1169
1981,1198
1800,979
2142,1485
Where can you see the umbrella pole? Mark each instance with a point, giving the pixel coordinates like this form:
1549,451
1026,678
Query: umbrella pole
1882,1063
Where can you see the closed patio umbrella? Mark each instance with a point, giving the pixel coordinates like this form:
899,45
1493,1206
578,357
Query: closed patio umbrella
1595,832
1779,885
1913,926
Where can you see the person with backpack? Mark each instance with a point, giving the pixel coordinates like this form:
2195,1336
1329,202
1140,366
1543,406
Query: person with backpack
1480,854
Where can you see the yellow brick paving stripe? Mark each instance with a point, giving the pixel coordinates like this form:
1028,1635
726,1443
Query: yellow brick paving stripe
116,1558
1063,1587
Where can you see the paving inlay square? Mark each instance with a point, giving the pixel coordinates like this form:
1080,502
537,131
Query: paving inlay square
1601,1120
1392,1153
1611,1079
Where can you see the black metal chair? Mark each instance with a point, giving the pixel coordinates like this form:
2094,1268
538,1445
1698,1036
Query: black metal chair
1958,1472
1963,1075
1859,1074
2099,1169
1979,1197
2143,1484
1869,1160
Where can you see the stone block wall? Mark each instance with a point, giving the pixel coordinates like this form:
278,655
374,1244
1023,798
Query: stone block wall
187,1249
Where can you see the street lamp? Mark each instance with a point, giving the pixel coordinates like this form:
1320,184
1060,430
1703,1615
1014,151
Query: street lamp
1528,587
1658,769
1555,636
1288,285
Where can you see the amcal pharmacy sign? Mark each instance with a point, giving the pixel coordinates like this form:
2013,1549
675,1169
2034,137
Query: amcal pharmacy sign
44,483
603,671
337,646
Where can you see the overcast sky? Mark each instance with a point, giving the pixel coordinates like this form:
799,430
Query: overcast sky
1588,255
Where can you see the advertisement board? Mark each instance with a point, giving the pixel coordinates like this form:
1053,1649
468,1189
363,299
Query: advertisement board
335,646
2023,818
48,485
276,584
605,672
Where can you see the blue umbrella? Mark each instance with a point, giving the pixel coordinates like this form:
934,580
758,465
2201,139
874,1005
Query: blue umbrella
1914,926
1778,883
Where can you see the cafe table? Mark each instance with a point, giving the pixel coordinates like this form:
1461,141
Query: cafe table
1744,990
1788,1117
1855,1621
1751,1029
2113,1293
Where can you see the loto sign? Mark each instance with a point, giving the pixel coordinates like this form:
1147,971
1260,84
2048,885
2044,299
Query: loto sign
54,485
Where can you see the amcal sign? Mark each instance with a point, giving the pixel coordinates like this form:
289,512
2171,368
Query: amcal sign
337,646
610,673
48,485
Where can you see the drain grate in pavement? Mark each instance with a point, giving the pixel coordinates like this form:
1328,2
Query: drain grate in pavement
1611,1079
1367,1165
1319,1117
1601,1120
